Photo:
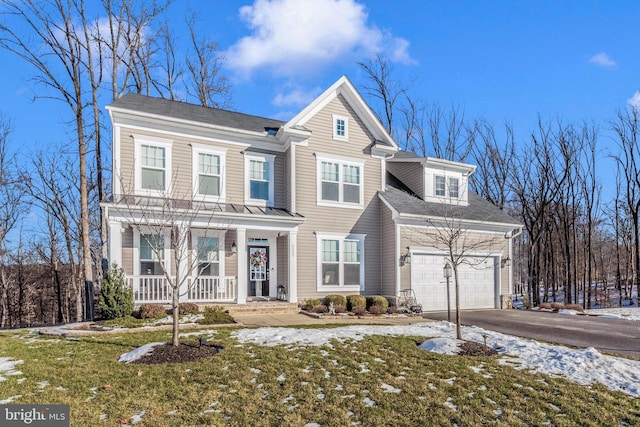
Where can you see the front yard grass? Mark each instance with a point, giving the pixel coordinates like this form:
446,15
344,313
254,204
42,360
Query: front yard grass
380,380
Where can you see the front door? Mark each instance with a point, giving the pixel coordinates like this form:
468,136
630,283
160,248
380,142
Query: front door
258,271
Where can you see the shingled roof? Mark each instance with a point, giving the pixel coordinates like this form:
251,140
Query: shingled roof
478,209
196,113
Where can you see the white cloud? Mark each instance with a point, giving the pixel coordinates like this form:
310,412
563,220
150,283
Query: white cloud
296,96
603,60
291,37
634,101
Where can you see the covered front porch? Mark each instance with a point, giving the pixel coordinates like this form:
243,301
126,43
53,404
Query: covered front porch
250,256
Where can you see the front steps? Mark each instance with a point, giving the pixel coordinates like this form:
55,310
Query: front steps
261,307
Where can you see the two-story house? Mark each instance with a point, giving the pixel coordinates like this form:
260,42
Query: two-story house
324,203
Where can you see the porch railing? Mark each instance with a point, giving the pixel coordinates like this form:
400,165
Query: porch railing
157,290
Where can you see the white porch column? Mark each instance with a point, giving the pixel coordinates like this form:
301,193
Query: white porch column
115,243
293,266
242,266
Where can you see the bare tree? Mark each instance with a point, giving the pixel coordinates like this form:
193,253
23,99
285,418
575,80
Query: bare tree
627,130
12,207
165,223
207,83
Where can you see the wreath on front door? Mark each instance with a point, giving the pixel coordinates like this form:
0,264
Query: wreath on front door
258,259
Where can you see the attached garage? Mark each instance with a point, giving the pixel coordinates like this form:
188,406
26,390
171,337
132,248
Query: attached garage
478,281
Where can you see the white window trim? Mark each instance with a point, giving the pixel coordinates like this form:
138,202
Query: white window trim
136,250
269,159
139,141
341,162
447,187
221,152
341,237
194,247
335,118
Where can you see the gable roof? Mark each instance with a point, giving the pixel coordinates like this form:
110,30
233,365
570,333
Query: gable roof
478,210
151,106
345,88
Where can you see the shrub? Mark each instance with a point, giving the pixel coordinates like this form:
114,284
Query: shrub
320,309
576,307
356,301
358,311
393,309
545,306
214,315
377,300
376,310
557,305
116,298
150,311
340,309
335,299
188,308
311,303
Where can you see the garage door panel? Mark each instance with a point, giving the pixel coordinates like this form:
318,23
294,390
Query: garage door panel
476,280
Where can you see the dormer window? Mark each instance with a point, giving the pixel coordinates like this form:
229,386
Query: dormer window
454,188
340,127
447,186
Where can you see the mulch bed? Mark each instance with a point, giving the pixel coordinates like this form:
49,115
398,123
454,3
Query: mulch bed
472,348
185,352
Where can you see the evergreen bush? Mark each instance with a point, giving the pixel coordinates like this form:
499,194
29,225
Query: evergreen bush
116,298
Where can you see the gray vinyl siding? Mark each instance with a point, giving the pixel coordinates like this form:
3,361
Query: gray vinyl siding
127,251
336,219
287,178
230,259
411,174
283,260
182,168
388,247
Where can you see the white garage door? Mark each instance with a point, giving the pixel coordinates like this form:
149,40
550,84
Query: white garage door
477,282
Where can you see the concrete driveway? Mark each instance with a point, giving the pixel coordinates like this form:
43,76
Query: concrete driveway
613,336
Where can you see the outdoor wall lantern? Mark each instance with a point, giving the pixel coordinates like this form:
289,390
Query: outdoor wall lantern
505,262
234,247
405,258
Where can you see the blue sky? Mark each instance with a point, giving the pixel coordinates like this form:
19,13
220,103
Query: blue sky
499,60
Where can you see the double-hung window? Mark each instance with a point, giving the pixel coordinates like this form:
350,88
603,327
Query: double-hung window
340,261
259,179
339,182
151,254
152,165
208,172
449,186
440,186
454,190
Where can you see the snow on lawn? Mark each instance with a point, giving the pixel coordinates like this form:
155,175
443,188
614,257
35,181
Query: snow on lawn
8,367
584,366
626,313
138,352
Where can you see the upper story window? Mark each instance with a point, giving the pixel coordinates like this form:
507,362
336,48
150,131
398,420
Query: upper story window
208,172
259,178
152,165
340,127
454,190
447,187
339,182
440,186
